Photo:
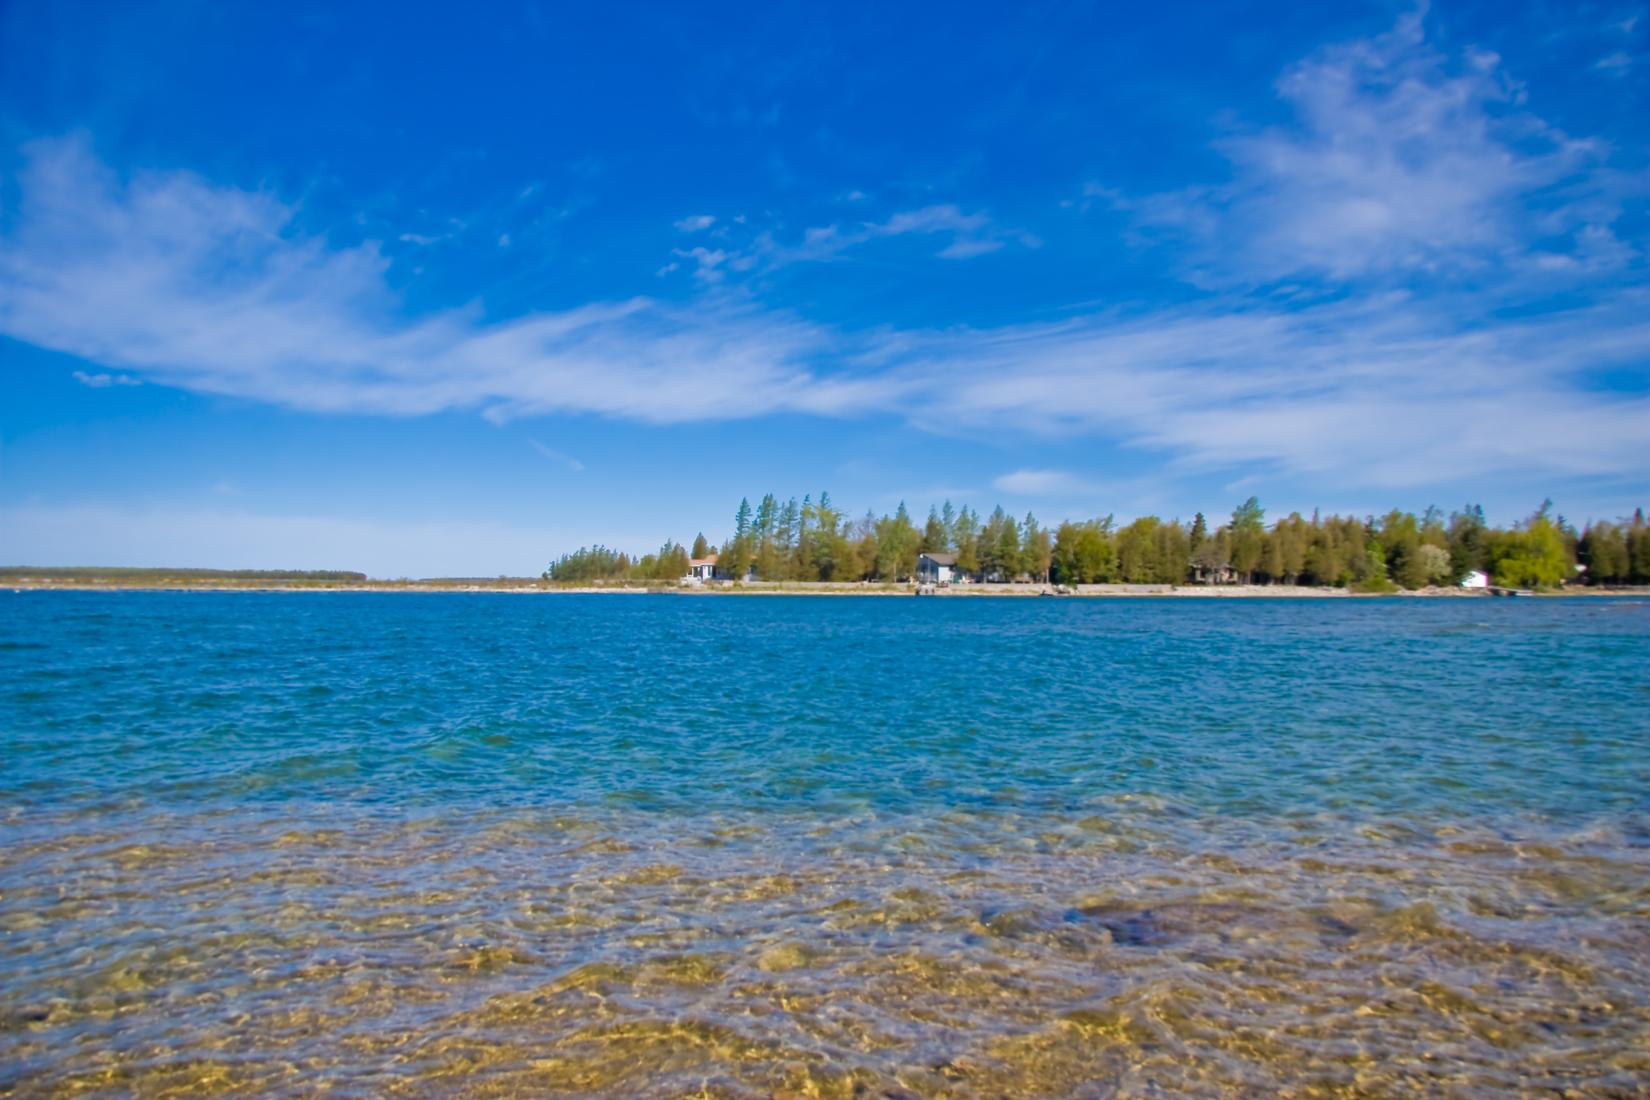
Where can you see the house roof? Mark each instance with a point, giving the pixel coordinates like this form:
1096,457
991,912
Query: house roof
709,559
941,559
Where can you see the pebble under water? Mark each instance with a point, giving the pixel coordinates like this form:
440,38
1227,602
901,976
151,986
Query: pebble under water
491,845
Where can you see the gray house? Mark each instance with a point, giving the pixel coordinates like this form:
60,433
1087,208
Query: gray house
937,568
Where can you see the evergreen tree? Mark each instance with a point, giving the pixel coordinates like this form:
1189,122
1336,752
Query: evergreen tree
770,563
811,541
935,539
967,536
735,558
1248,532
1063,565
738,554
827,547
1638,549
1037,550
863,539
590,563
767,518
1468,542
1401,541
1322,563
1007,551
669,564
804,567
990,533
788,528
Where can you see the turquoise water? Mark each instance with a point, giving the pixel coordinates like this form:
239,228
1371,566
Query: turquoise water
361,844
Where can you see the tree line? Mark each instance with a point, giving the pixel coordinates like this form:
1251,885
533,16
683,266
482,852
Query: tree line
813,540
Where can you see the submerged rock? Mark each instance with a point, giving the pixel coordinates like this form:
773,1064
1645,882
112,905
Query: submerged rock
1175,922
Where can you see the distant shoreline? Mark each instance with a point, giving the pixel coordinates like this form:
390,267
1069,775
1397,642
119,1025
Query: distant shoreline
530,586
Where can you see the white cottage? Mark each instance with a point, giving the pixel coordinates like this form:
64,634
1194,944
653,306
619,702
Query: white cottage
703,569
936,568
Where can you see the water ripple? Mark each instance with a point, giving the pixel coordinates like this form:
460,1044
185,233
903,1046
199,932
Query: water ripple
376,845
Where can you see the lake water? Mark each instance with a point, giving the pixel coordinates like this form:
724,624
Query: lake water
385,844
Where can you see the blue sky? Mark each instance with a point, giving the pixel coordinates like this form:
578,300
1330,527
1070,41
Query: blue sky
453,292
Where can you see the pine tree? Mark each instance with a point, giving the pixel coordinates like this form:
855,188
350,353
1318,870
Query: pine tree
934,537
1037,550
967,541
1248,537
785,528
1007,554
803,567
1638,549
767,518
990,535
812,541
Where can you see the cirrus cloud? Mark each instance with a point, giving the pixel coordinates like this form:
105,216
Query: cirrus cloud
1415,196
1401,162
213,289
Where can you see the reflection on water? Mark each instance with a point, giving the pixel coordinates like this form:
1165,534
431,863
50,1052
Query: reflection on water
445,846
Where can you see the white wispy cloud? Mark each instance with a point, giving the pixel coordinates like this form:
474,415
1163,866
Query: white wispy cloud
696,223
1615,64
1405,169
968,234
103,380
1382,392
1401,162
214,289
1041,483
557,457
708,262
964,235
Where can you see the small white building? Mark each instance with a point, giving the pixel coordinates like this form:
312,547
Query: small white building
1475,579
703,569
936,568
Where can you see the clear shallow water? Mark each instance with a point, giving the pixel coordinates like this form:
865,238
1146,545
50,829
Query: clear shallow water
383,844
